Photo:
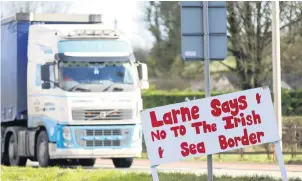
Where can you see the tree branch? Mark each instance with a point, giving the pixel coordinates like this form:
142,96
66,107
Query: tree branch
229,67
268,38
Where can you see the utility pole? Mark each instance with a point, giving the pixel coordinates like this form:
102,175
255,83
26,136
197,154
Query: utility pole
276,65
206,47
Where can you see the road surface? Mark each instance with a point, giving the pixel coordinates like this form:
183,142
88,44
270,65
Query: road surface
199,167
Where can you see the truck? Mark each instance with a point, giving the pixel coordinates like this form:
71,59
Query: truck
70,91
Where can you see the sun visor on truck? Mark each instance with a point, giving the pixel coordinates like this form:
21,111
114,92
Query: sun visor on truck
69,58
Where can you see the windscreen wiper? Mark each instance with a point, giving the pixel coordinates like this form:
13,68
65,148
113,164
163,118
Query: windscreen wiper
79,88
115,89
108,87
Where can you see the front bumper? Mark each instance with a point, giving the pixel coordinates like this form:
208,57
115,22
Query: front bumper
72,153
97,142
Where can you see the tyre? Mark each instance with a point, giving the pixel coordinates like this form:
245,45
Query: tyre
4,159
122,162
42,150
87,162
13,157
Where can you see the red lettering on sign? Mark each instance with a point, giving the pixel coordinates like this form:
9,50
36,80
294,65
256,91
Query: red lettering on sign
195,111
225,107
232,106
249,120
185,114
193,149
206,127
167,118
214,127
181,129
175,113
174,129
160,152
170,118
159,135
154,121
243,103
258,98
228,122
215,103
233,122
253,139
256,118
197,126
246,139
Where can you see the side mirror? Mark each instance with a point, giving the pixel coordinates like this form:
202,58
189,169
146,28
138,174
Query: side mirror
46,85
45,73
143,75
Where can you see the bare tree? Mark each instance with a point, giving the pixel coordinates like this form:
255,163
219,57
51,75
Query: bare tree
250,37
249,41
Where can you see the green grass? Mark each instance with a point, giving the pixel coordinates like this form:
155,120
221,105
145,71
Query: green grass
259,158
59,174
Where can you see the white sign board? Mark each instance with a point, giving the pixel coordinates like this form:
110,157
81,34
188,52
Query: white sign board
210,125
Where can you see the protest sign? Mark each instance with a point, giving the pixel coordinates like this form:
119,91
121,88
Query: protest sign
210,125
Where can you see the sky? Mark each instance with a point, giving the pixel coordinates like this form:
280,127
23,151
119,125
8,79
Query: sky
129,15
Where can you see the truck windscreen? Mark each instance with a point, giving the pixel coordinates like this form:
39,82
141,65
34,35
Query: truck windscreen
104,45
96,77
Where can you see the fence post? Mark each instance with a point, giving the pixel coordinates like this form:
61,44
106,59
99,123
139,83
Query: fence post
268,152
295,141
291,142
241,153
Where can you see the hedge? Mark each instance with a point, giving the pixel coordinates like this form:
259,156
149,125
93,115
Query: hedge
291,100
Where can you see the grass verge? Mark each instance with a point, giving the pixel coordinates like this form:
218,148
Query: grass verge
78,174
259,158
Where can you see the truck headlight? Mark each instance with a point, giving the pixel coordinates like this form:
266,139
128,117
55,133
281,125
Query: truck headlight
67,144
66,133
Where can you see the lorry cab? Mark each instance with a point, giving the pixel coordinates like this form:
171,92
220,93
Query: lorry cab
83,93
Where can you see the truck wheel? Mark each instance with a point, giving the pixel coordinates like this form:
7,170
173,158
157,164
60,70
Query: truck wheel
42,150
4,159
4,156
87,162
122,162
14,158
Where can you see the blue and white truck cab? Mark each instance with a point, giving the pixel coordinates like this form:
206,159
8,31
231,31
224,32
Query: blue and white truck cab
70,90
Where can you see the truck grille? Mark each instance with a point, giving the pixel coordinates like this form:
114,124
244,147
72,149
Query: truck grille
104,132
92,143
100,143
102,114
